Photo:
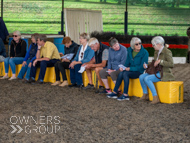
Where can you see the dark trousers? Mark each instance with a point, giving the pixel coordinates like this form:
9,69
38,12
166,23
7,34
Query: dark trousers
126,75
43,65
75,76
60,67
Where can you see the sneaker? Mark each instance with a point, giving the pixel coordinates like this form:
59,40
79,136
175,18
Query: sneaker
12,78
106,91
79,86
100,89
73,85
112,95
89,86
123,97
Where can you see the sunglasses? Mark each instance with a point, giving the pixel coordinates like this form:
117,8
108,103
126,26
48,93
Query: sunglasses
14,35
81,55
138,44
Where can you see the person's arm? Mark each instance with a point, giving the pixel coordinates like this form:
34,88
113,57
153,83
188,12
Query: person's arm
109,59
1,45
23,50
11,49
143,60
123,57
28,53
169,60
38,52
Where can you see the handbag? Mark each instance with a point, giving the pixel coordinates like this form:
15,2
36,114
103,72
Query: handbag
153,70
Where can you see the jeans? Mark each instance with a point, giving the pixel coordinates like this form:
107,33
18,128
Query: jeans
61,66
24,70
12,62
75,76
125,75
43,65
147,80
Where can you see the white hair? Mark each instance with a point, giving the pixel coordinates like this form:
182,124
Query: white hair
93,41
133,40
158,40
17,32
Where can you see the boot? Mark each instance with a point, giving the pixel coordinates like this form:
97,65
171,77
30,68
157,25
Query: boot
56,83
65,83
144,97
155,100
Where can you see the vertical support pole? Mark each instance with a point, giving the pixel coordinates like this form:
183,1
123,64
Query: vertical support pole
126,19
2,9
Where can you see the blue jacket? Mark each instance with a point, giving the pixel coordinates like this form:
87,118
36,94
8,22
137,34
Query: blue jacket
31,54
2,48
3,30
88,55
117,57
136,63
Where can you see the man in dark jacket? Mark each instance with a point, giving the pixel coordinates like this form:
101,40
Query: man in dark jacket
2,51
97,63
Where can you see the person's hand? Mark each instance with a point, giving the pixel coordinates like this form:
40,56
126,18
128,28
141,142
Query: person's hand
84,64
23,63
145,66
110,71
121,69
29,65
61,54
156,63
35,62
62,60
39,47
127,69
88,66
72,65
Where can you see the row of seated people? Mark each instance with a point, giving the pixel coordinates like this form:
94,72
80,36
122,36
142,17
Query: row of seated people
93,55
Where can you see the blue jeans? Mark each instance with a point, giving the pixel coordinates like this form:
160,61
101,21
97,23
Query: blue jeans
125,75
75,76
12,62
24,70
147,80
43,65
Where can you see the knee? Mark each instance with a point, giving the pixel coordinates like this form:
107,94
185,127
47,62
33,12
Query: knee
146,79
6,60
43,64
11,60
97,70
102,74
141,77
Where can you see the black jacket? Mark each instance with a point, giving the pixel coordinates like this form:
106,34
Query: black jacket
18,49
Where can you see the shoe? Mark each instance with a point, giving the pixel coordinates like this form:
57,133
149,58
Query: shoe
4,77
12,78
73,85
89,86
119,92
100,89
155,100
79,86
144,97
56,83
123,97
30,80
65,83
112,95
106,91
38,82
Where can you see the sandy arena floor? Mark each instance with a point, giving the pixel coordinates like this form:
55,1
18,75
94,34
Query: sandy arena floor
78,116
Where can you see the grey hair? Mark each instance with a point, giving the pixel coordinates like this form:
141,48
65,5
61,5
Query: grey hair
133,40
93,41
112,41
85,36
158,40
17,32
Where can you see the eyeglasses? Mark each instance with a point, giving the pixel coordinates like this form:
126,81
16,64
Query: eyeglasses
14,35
81,55
138,44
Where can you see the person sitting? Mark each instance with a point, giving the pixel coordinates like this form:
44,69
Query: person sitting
163,57
84,55
2,51
136,57
117,56
29,58
47,55
98,63
70,48
17,54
